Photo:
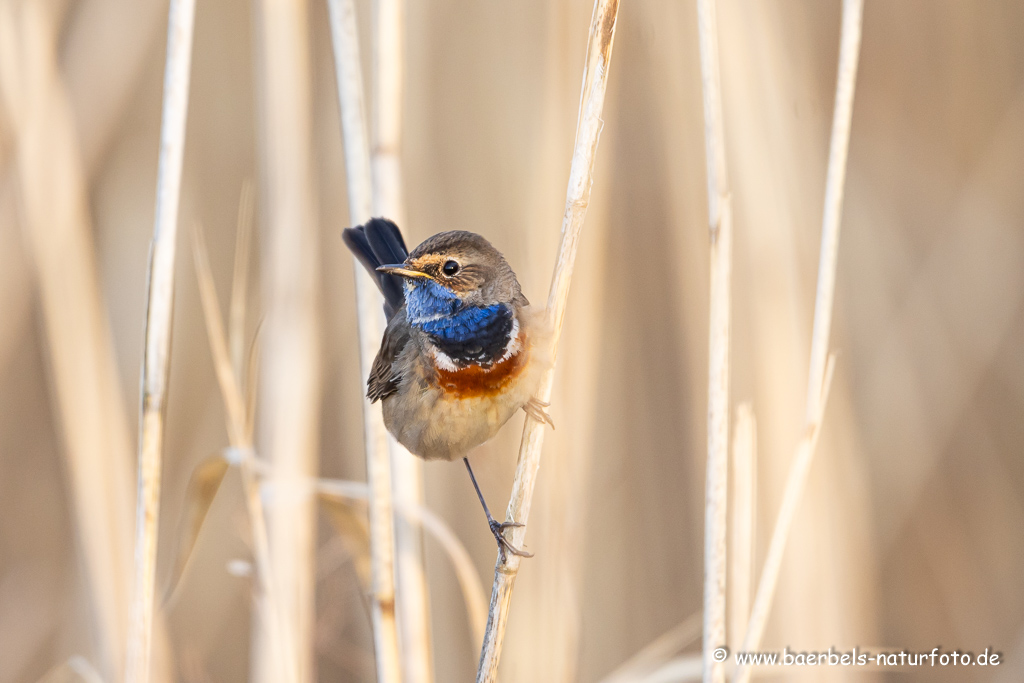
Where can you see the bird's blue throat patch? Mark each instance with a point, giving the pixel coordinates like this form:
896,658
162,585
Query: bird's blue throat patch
426,300
466,334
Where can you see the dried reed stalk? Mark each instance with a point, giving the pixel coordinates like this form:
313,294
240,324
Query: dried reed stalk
290,358
720,225
389,75
85,387
849,56
413,611
240,281
348,73
159,314
795,483
588,130
424,518
240,436
741,532
821,364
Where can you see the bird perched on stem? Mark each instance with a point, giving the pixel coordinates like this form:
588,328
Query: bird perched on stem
462,351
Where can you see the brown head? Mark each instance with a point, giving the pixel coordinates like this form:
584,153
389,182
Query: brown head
465,264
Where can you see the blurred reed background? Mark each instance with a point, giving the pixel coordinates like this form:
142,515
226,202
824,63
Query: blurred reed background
909,534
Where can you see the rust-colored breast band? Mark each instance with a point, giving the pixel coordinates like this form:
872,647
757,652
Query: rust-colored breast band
475,381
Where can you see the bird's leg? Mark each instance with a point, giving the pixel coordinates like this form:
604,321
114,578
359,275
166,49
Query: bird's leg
497,528
535,409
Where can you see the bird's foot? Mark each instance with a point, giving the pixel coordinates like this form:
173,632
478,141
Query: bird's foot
535,409
498,528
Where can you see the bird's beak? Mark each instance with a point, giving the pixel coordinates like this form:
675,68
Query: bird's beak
401,269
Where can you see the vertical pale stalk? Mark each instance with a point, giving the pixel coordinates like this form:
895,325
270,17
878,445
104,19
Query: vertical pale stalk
821,363
352,111
240,281
835,182
552,644
241,438
389,75
544,640
290,359
159,313
388,200
83,377
795,483
423,518
378,465
720,225
741,532
588,130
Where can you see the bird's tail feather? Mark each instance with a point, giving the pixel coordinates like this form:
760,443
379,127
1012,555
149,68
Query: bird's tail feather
379,242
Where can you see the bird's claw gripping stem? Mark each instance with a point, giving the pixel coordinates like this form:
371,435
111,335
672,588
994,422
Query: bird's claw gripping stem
498,528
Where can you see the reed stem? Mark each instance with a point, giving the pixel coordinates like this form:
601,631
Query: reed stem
413,612
348,73
290,361
427,520
821,363
159,313
83,379
240,436
835,182
588,131
744,519
720,226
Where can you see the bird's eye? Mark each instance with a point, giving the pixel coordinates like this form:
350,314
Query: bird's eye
450,268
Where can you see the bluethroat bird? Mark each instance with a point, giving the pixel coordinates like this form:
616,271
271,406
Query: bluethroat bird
462,351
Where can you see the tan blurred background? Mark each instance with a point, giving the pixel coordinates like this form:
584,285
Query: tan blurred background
910,535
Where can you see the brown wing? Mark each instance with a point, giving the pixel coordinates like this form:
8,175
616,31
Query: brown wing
384,377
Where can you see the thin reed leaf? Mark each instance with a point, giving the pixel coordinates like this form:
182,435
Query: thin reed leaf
252,384
240,280
239,427
353,526
226,377
202,488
